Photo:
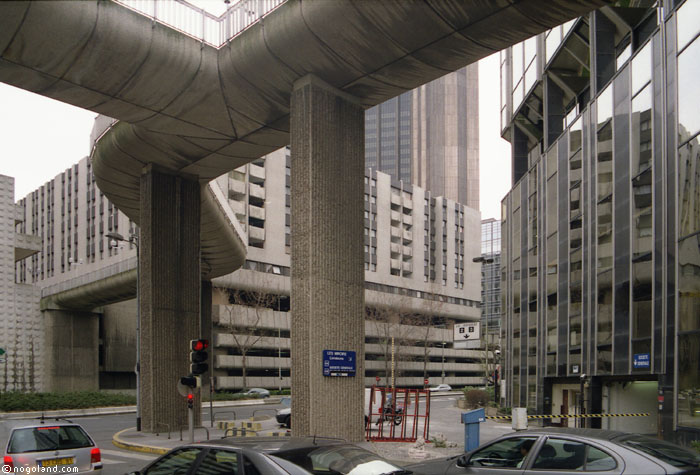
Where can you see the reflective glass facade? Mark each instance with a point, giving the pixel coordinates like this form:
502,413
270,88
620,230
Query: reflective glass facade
602,226
429,137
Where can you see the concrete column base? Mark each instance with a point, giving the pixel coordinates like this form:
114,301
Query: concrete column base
327,188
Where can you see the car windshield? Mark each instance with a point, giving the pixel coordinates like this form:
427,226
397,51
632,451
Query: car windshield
669,453
338,460
44,438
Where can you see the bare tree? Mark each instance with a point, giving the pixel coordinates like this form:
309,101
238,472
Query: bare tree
379,320
397,330
244,312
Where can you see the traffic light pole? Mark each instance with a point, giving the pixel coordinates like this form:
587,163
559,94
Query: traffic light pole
190,415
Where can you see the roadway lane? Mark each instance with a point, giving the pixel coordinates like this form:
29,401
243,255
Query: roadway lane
445,419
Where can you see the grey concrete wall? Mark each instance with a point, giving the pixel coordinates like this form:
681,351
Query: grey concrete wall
327,179
119,336
71,350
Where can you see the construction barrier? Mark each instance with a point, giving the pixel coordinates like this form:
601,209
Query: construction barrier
573,416
398,414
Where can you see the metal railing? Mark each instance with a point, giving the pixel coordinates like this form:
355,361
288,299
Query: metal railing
199,23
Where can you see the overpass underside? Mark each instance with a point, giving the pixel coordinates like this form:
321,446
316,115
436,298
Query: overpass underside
188,113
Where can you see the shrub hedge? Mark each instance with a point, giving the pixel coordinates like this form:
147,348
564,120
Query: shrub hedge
24,402
20,402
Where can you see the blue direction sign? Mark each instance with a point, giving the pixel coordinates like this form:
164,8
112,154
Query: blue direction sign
641,360
338,363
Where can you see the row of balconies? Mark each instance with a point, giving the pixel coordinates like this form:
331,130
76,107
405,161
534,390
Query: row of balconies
399,234
259,362
398,217
237,189
405,266
407,203
273,382
397,249
269,319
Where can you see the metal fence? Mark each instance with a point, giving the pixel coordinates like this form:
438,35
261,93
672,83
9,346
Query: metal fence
199,23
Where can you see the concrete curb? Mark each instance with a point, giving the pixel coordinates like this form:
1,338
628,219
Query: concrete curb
100,411
148,449
93,411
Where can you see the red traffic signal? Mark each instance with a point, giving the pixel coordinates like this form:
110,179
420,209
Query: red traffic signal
199,345
198,356
190,401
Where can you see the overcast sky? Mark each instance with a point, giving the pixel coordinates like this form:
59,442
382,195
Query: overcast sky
40,137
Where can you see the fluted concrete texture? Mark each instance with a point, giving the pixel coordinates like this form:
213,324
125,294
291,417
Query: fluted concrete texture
170,294
327,258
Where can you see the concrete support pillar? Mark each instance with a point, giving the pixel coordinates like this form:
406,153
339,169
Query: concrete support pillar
206,332
327,188
71,353
170,294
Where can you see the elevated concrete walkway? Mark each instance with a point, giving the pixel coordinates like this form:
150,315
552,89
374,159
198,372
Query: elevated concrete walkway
198,111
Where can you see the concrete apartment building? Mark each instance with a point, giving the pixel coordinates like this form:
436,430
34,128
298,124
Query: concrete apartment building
21,326
418,270
600,231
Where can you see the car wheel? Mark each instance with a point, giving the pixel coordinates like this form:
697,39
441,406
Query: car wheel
288,422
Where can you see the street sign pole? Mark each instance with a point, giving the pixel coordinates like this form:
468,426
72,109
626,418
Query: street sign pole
190,416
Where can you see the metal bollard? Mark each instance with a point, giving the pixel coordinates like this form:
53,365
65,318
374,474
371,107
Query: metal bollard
471,421
519,418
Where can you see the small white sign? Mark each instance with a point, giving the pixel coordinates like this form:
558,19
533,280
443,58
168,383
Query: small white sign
467,331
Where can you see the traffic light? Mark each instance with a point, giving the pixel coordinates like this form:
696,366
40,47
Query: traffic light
191,381
198,356
190,401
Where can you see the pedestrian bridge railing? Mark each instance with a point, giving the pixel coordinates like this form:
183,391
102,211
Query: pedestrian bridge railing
201,24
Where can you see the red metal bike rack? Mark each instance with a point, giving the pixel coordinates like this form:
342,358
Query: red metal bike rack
401,415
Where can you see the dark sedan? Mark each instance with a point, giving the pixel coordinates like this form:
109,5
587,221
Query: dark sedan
567,450
269,456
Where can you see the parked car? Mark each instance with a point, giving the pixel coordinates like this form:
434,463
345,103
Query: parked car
568,450
256,392
51,445
284,417
440,387
269,456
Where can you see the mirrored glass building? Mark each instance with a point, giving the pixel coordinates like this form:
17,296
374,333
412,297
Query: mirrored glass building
601,229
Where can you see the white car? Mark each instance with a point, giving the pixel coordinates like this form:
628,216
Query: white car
51,446
440,387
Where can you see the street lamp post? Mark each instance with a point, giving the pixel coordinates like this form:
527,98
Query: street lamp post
134,239
485,260
496,376
443,362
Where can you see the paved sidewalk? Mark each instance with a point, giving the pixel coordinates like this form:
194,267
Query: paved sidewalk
160,443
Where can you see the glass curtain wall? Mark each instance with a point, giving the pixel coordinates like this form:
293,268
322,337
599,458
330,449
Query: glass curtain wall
688,215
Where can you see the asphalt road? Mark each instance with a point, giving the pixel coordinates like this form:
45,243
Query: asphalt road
445,418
